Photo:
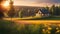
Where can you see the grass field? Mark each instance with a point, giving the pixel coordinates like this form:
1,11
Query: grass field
9,27
46,18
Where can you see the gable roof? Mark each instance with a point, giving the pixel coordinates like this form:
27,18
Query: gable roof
44,11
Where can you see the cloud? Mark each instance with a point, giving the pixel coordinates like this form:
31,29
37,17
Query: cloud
48,1
36,2
41,1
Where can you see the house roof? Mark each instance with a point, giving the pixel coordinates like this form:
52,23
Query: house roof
44,11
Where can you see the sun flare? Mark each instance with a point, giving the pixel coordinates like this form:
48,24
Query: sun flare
6,3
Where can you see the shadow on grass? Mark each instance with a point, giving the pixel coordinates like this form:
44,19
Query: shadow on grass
44,18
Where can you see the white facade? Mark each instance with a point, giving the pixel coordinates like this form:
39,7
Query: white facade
39,14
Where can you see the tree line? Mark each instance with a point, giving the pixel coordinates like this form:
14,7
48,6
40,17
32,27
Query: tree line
54,10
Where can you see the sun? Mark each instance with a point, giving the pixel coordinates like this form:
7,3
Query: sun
6,4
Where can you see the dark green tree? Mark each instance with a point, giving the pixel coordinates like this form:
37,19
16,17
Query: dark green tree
47,8
56,12
52,10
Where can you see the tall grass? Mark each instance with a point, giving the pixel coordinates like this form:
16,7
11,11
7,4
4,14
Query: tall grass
8,27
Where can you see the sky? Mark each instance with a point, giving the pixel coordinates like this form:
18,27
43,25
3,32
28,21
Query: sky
36,2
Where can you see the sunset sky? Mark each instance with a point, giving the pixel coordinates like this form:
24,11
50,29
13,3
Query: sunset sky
36,2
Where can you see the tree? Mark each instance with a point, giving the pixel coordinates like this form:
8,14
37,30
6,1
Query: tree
47,8
1,10
52,10
56,12
11,12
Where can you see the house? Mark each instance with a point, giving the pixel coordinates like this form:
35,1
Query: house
42,13
39,14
